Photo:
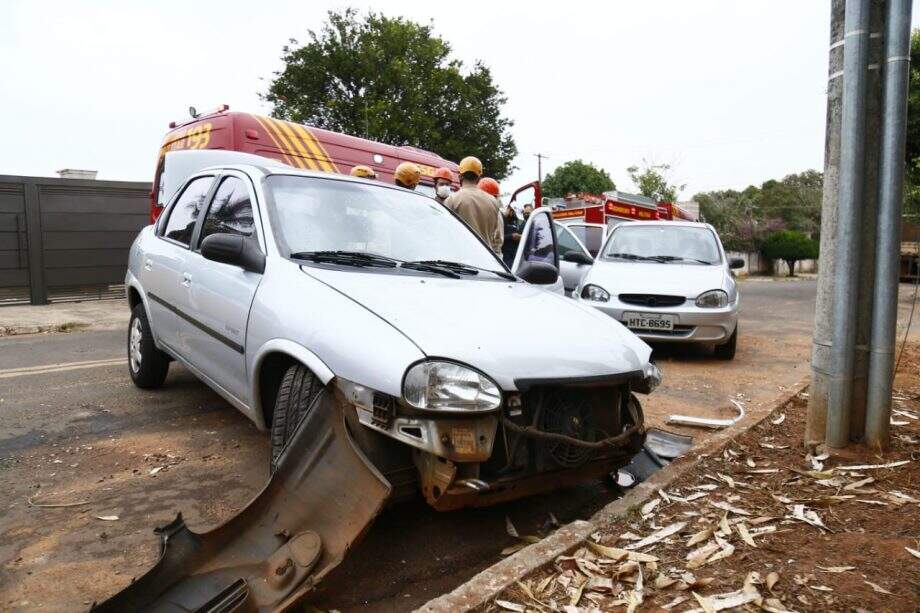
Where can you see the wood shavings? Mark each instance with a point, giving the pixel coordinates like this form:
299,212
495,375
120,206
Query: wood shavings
913,552
727,507
835,569
778,419
876,587
745,535
772,579
658,536
873,466
648,507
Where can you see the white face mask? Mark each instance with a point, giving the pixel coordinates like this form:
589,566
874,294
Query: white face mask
443,191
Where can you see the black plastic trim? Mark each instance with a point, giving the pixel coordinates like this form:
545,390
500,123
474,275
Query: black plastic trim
615,379
209,331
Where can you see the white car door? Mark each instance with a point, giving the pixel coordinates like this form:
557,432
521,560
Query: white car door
222,294
538,247
574,259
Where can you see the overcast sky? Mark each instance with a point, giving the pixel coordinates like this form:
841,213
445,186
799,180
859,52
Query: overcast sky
729,93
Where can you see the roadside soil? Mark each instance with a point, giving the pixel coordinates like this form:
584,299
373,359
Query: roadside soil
760,525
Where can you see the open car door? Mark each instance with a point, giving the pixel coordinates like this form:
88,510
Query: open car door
574,259
537,257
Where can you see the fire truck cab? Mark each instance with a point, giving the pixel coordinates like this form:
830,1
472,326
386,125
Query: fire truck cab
290,143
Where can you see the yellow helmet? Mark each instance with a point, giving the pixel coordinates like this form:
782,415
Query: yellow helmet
408,174
365,172
471,164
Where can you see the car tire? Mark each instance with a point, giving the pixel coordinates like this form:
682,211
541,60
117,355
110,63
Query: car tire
726,351
299,388
147,365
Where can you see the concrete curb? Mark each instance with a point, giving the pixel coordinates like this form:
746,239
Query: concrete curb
488,584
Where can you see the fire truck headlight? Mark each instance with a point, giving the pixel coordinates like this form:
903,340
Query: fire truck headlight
595,293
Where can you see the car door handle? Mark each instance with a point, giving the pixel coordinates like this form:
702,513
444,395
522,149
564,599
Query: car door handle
186,279
148,264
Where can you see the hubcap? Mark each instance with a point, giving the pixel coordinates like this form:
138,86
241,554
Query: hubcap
134,345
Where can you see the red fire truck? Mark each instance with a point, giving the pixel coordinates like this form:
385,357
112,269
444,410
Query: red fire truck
294,144
616,207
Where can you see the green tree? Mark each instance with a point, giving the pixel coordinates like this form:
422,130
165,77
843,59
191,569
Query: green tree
393,80
789,246
652,181
912,152
576,176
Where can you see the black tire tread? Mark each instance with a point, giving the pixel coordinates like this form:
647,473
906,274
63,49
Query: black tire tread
299,388
154,363
726,351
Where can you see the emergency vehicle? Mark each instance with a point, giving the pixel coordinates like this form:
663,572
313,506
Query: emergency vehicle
616,207
291,143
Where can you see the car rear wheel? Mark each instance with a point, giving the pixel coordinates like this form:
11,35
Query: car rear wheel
726,351
147,364
299,388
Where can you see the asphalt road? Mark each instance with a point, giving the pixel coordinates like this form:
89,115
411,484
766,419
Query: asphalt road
73,429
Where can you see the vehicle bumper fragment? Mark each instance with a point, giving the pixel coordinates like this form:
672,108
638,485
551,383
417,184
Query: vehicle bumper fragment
321,499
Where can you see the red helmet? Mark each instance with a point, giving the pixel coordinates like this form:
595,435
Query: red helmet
489,186
444,173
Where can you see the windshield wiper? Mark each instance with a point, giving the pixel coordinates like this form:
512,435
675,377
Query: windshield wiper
347,258
430,267
465,269
631,256
675,258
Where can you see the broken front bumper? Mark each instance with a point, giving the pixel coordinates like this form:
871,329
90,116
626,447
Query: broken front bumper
322,497
544,438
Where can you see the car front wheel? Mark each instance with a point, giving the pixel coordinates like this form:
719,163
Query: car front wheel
726,351
299,389
147,364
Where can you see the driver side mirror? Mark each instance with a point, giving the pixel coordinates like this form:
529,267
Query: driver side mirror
538,273
578,257
233,249
735,263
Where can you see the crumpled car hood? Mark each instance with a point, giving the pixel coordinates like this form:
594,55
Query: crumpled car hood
508,330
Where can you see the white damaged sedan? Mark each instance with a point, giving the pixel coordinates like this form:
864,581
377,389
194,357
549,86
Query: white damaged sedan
275,286
667,281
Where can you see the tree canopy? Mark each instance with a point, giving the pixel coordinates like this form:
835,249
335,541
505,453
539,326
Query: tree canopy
745,218
576,176
394,81
652,181
790,246
912,152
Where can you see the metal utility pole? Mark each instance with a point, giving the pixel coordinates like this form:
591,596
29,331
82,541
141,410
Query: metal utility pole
540,157
821,343
896,73
849,209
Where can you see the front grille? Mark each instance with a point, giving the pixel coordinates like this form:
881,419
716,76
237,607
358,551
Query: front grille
652,300
584,413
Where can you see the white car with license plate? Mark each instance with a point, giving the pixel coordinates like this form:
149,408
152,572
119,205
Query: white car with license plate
667,281
276,286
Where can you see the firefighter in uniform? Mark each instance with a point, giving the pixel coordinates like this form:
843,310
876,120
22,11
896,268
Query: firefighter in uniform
491,187
474,206
407,175
365,172
443,177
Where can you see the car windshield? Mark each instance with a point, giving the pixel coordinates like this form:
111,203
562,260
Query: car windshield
663,243
312,214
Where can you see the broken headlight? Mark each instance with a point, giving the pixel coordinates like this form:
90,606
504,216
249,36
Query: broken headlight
651,378
447,386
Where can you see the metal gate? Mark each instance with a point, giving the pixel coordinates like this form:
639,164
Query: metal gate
66,239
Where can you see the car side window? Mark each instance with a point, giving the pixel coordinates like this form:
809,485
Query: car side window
230,212
565,241
184,213
539,246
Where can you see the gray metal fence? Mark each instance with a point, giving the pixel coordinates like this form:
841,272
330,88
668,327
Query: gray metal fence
65,239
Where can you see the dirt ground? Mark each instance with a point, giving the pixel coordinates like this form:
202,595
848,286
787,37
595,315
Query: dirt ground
757,524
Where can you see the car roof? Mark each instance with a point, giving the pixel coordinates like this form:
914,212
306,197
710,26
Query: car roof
666,222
